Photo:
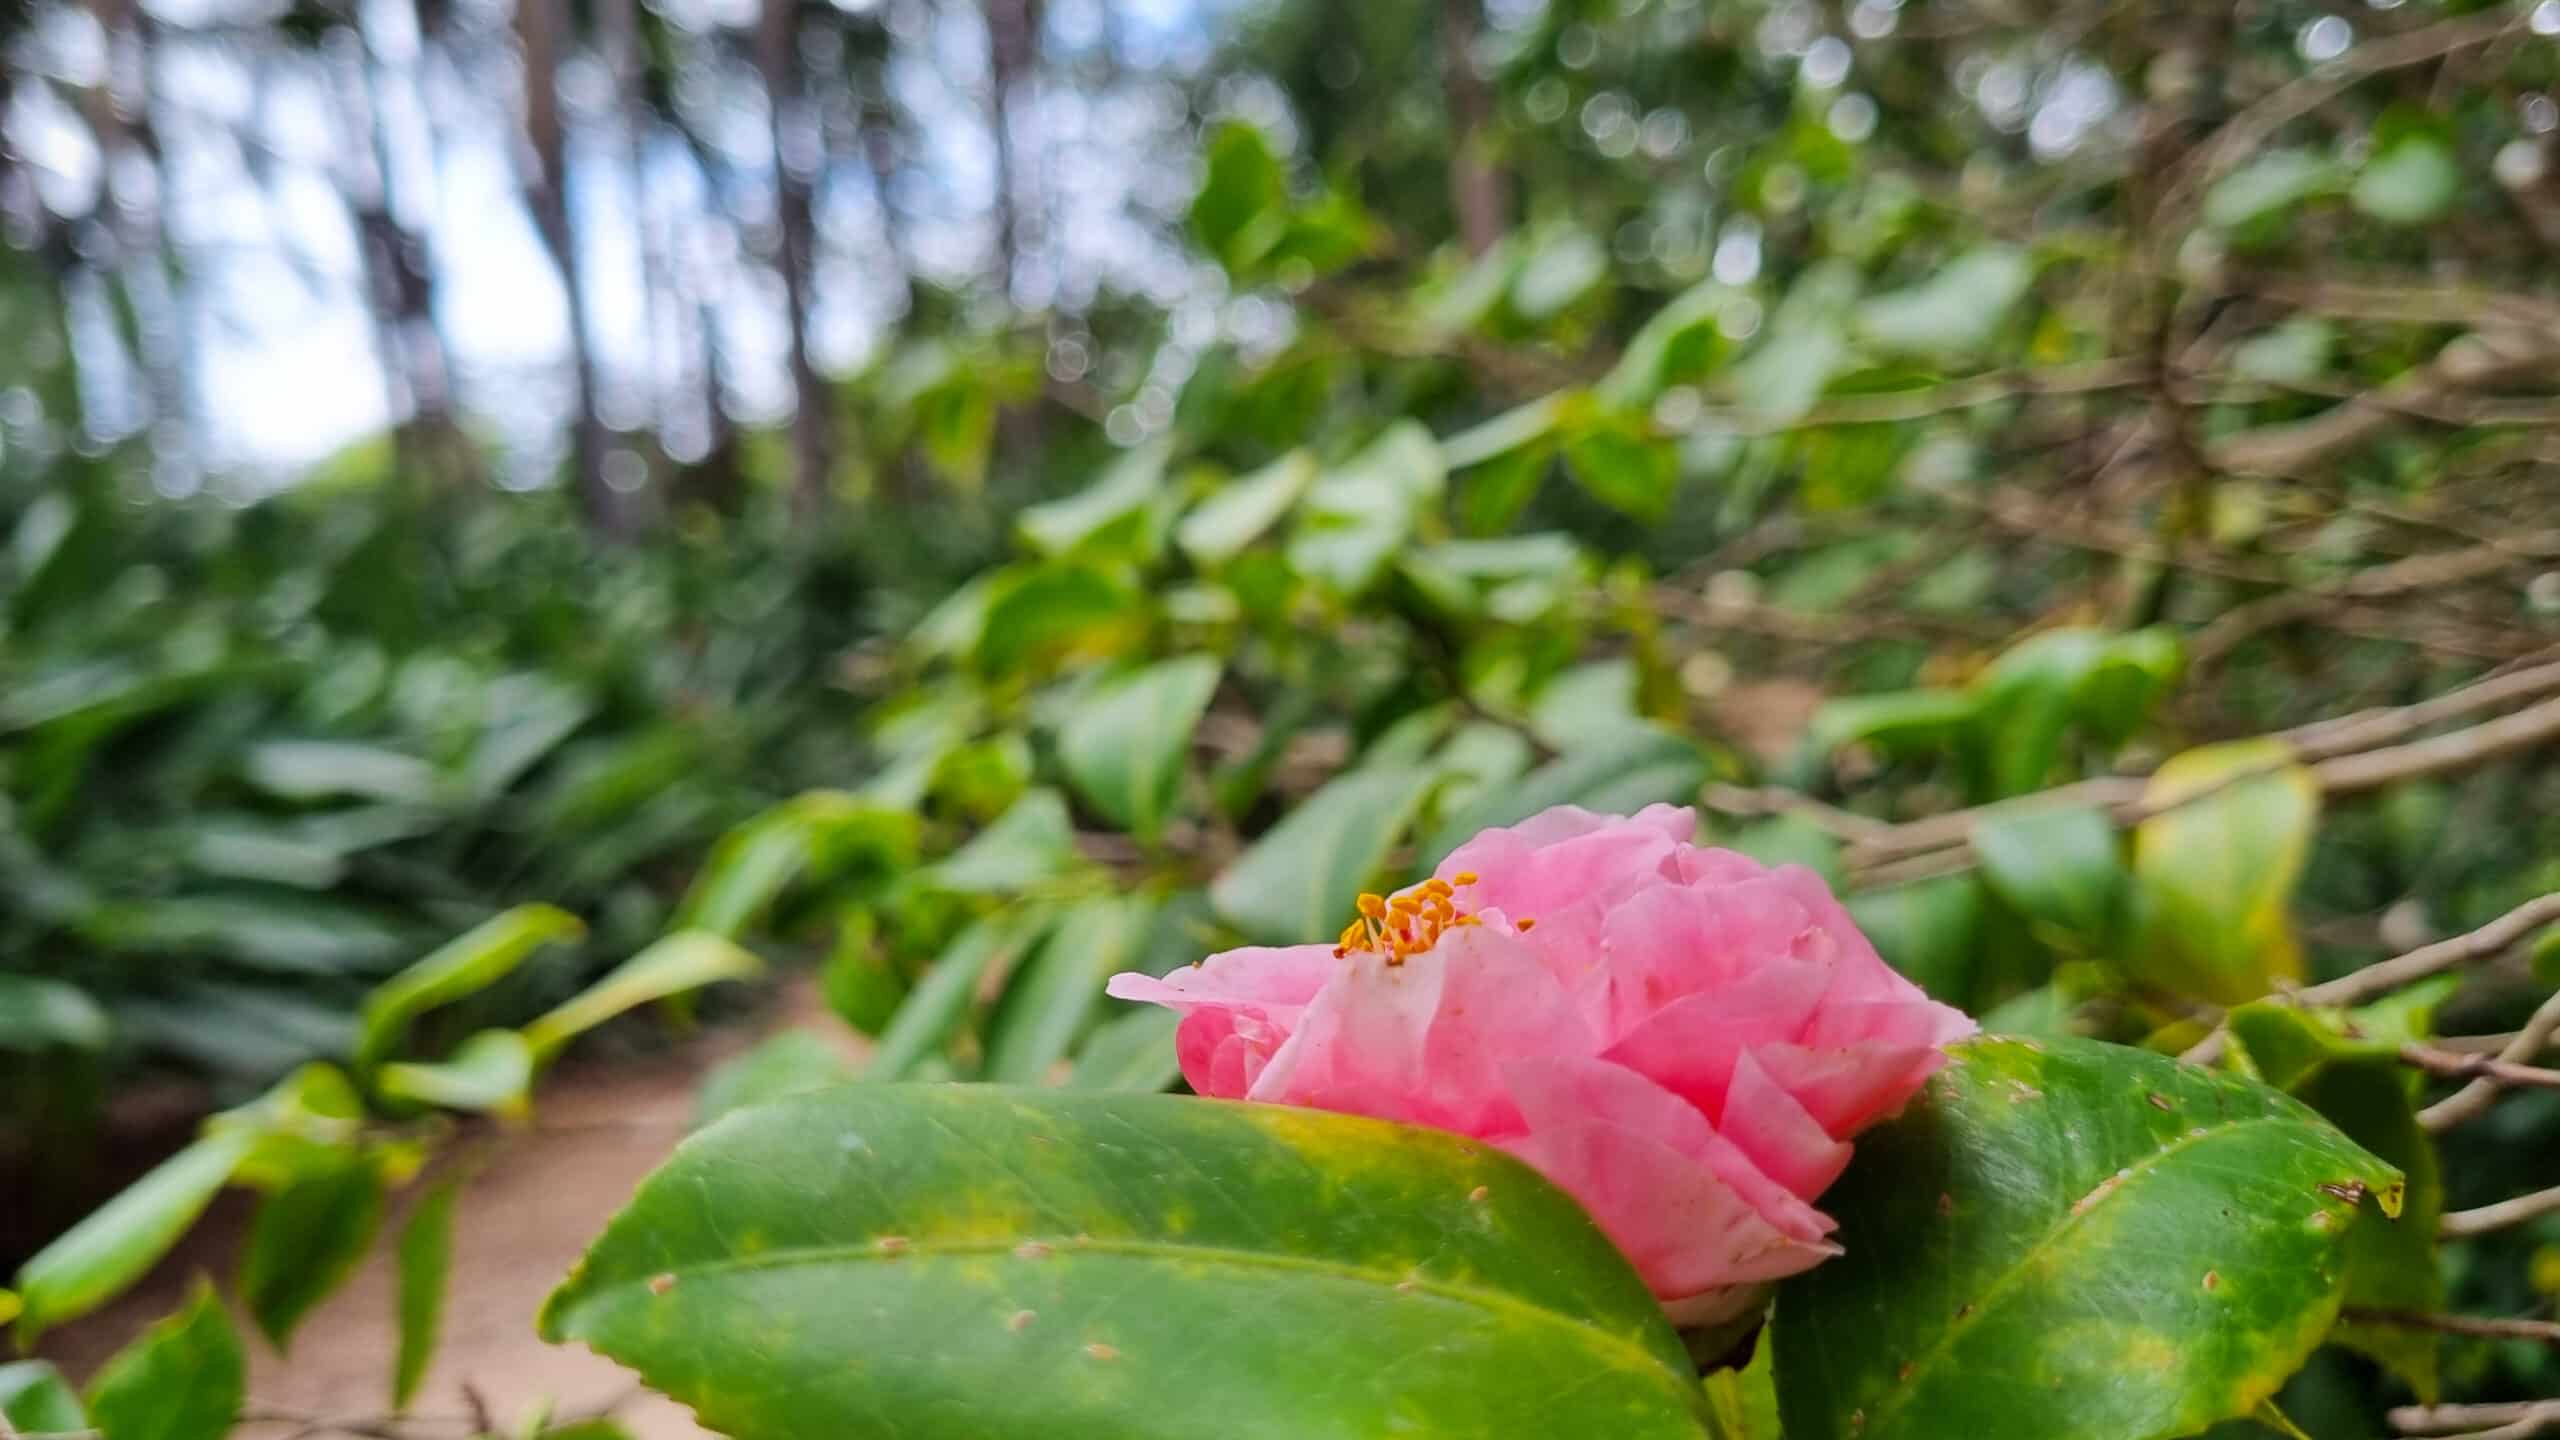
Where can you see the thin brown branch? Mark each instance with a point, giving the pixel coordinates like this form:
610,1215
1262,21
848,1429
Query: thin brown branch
2489,941
2504,1215
2487,1327
2461,1419
2505,1068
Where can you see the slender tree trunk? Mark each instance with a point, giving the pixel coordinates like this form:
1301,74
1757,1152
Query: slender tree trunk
1476,189
620,22
1013,54
539,26
777,56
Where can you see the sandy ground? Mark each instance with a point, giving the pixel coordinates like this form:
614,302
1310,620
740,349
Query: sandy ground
539,1196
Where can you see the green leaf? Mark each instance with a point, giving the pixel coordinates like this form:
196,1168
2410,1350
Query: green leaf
1930,930
1049,1000
38,1014
1124,746
2408,180
2275,180
183,1380
470,962
1620,464
2213,876
1743,1404
1053,613
2067,1240
1680,344
1898,722
96,1259
1619,772
1566,265
869,1258
686,960
304,1243
1116,514
938,1003
36,1400
491,1071
1299,880
1241,210
1360,514
1244,509
1508,433
781,1064
2293,352
1957,311
425,1262
328,769
1131,1051
1027,844
2057,866
2360,1086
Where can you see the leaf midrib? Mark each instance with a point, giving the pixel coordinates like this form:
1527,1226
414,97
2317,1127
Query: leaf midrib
1955,1329
1068,1249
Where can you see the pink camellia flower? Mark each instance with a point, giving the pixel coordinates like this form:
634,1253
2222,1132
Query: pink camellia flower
1681,1038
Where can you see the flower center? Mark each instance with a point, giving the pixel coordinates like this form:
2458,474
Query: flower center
1411,922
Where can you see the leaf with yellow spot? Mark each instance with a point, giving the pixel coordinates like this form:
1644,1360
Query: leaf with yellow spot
2214,871
957,1262
2067,1240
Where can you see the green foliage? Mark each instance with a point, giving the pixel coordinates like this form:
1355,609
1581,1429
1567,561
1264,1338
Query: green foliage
183,1380
949,1234
424,1260
2064,1238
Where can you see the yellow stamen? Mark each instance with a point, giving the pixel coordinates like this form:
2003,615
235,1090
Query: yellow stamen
1436,888
1527,924
1466,877
1373,906
1404,905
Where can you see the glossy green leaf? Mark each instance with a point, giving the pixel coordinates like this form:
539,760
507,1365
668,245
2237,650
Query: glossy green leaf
36,1400
304,1243
2275,180
1743,1404
1049,999
115,1244
2359,1084
39,1014
1902,720
686,960
2410,179
1623,466
1617,773
2213,876
491,1071
1027,844
328,769
744,873
1681,343
425,1266
1240,212
184,1379
1299,880
1124,746
2059,867
1117,513
470,962
1131,1051
879,1258
1244,509
1930,930
1565,264
2065,1239
1049,614
1358,515
781,1064
1958,310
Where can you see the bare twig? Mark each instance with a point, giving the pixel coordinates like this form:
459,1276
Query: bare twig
2489,941
1894,406
2457,1419
2506,1214
1770,800
2486,1327
2477,1096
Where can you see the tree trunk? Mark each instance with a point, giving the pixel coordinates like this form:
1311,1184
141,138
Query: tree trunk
539,24
777,42
1476,189
1013,52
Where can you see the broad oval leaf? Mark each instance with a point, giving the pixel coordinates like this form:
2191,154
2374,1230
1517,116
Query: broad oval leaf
2067,1239
183,1380
1241,511
966,1261
2058,865
2214,871
1124,746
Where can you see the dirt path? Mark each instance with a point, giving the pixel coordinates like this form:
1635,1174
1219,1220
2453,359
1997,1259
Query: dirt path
540,1195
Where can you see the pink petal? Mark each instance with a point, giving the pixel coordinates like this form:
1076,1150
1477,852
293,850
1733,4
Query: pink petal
1668,941
1237,1008
1689,1046
1782,1138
